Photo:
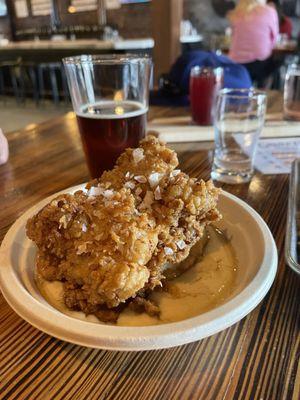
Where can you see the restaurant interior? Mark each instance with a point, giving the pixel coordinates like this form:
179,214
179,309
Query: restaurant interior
150,199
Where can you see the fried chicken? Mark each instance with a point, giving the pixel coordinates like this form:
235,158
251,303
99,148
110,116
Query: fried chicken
109,243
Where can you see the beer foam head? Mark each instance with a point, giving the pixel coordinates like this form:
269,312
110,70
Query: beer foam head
112,109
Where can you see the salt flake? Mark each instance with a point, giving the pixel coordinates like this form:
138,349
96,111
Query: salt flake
181,244
138,155
128,175
154,179
168,251
108,193
95,191
157,193
140,179
84,228
129,185
175,173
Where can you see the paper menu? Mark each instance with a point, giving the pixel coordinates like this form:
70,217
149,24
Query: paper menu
275,156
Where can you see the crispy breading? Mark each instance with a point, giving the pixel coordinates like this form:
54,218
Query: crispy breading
111,242
98,243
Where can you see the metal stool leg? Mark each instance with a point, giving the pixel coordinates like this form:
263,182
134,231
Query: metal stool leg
41,82
14,83
65,85
22,84
54,87
2,86
35,91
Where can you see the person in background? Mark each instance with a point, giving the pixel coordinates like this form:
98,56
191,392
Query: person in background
255,31
285,23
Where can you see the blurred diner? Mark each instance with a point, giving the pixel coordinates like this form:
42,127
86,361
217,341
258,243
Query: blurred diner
255,29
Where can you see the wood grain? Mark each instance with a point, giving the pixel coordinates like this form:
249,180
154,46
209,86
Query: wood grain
257,358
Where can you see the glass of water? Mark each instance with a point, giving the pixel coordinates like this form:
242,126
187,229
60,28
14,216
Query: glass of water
240,116
292,93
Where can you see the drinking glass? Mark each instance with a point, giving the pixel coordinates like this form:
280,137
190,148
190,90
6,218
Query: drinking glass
292,93
110,98
205,83
240,115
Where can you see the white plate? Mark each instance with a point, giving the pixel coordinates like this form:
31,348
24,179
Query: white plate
255,249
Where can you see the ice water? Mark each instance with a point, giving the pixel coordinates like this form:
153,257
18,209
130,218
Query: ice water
107,128
292,95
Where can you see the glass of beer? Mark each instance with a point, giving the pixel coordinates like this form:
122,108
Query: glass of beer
110,98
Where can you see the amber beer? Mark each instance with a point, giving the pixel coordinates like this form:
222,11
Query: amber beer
110,96
107,129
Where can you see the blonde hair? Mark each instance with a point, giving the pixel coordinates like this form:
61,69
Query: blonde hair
245,6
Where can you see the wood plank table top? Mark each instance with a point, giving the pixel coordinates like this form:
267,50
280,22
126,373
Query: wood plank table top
257,358
285,48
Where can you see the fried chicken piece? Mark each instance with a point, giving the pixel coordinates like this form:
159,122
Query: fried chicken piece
99,244
181,206
110,243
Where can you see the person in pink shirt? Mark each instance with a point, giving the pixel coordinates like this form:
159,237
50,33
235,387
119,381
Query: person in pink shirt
255,30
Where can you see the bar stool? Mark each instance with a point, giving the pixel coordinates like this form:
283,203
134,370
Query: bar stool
47,74
64,82
23,79
9,79
29,80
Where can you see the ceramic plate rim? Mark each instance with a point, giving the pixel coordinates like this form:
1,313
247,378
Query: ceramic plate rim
173,334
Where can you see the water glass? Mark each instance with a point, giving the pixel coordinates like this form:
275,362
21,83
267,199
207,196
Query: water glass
292,93
240,115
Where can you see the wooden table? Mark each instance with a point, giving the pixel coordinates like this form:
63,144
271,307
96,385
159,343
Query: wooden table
290,47
256,358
